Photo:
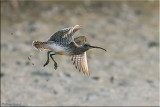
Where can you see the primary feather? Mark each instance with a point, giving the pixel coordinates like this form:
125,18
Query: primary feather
80,62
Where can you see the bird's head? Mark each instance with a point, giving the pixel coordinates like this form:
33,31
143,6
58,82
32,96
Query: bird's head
88,46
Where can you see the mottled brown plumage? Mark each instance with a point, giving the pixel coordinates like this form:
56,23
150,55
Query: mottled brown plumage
63,43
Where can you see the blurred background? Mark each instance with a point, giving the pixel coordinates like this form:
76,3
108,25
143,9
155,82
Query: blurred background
128,74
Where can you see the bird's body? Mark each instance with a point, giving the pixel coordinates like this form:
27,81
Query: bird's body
63,43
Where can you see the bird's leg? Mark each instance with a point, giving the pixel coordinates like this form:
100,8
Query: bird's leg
55,63
47,58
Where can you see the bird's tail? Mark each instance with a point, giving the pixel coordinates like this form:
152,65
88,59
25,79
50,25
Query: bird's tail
41,45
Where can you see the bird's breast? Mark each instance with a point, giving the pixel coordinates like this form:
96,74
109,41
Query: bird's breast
57,48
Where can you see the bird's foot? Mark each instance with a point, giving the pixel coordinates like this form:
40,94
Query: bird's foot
45,64
55,66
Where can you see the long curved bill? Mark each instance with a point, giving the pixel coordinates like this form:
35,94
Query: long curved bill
98,47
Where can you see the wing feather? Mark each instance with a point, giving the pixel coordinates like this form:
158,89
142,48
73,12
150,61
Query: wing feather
64,36
74,59
83,66
80,62
86,64
81,40
72,30
76,64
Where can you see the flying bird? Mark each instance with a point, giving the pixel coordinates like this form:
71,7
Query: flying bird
63,43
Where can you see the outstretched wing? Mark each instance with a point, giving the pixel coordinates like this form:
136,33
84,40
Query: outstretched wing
64,36
80,62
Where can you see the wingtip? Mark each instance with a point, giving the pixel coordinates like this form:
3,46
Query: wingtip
78,26
33,43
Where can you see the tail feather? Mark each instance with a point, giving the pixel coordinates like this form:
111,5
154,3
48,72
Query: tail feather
41,45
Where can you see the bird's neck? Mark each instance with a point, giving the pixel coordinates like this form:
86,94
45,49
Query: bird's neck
78,50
